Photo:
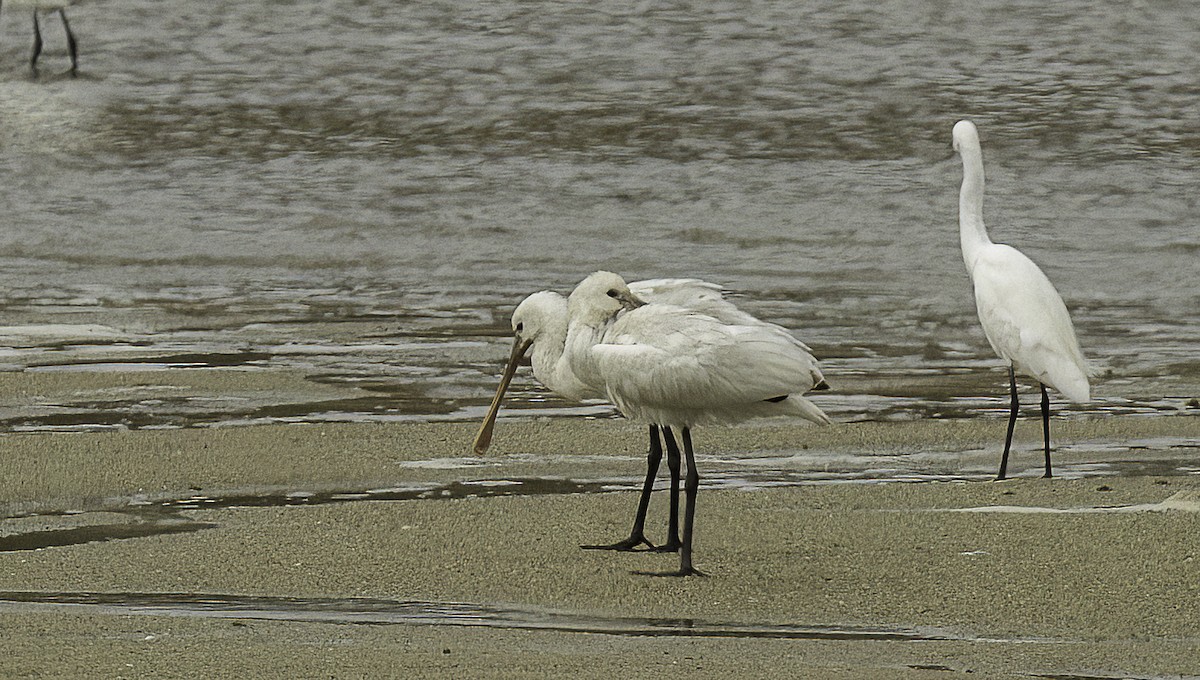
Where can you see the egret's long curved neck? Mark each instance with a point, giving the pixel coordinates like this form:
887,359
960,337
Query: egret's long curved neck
971,232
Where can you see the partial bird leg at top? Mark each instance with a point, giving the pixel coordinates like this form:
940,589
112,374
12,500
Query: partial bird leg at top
637,535
1046,427
71,46
673,464
37,44
1012,421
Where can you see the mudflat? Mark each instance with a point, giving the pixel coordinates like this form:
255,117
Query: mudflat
108,571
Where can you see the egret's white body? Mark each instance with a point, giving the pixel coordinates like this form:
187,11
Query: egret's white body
674,367
1022,314
1026,322
47,6
540,324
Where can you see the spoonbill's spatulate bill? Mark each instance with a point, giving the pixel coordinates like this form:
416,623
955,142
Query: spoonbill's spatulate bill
1022,315
674,367
36,6
539,326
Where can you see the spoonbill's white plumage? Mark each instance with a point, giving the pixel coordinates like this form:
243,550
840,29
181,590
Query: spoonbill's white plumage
47,6
539,326
675,367
680,367
1022,314
544,318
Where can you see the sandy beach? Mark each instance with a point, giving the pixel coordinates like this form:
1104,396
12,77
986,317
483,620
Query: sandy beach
1096,577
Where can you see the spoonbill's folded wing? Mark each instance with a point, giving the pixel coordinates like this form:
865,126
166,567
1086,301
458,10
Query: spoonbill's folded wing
673,357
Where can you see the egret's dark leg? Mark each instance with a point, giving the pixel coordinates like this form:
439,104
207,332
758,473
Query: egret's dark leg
1046,427
1012,421
637,535
673,464
71,47
37,44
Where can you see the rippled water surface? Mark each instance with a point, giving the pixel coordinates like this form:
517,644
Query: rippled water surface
362,191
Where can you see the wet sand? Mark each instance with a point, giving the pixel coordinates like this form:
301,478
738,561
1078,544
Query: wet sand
1107,586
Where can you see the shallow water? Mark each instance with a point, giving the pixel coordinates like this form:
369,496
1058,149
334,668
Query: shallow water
143,515
410,612
388,612
362,192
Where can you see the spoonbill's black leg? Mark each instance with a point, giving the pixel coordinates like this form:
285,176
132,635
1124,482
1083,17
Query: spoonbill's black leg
1012,421
690,487
1046,427
637,536
673,464
71,46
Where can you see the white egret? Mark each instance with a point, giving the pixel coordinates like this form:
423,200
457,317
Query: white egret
47,6
674,367
1022,315
539,326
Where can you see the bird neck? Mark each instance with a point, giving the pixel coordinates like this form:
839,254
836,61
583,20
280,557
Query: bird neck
972,233
581,336
548,354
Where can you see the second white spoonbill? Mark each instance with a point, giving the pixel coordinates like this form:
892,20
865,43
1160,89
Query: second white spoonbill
675,367
539,326
1022,314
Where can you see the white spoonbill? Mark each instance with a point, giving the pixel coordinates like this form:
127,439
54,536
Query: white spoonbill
675,367
1022,315
47,6
539,324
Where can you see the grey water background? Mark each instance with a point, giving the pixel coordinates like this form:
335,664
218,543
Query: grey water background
362,191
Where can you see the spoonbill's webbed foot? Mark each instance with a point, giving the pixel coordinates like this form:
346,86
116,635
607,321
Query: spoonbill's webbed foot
683,571
628,545
673,544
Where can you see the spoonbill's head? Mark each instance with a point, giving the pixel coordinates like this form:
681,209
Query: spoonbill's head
540,314
965,136
600,297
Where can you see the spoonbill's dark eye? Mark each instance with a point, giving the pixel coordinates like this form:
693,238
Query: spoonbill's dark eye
612,292
520,327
